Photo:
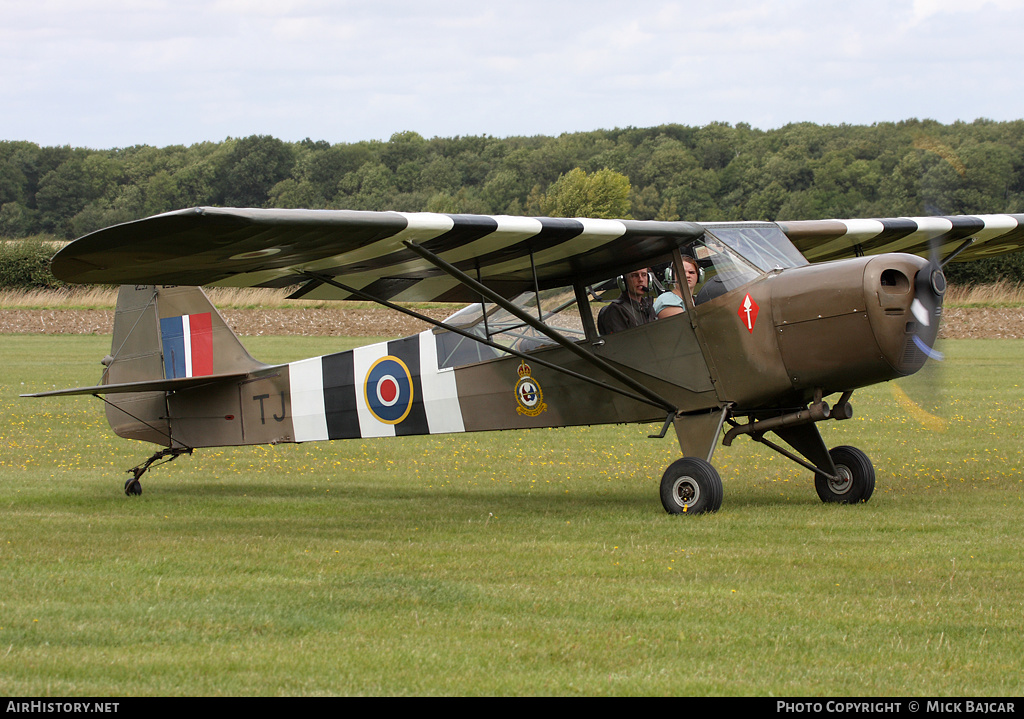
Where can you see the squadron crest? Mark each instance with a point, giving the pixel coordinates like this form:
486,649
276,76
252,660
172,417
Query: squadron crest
529,395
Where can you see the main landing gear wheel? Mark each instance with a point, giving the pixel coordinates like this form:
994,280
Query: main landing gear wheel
691,486
133,487
855,477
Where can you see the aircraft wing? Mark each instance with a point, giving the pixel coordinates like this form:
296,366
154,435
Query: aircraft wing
821,240
366,251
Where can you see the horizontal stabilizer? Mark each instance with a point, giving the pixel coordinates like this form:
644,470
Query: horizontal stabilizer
156,385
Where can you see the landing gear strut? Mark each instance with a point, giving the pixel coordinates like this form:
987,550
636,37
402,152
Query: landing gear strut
132,486
842,475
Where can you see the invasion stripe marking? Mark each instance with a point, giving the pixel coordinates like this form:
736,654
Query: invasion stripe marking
363,359
579,237
440,394
897,234
309,416
1004,227
408,350
435,286
498,245
420,227
329,394
340,396
921,229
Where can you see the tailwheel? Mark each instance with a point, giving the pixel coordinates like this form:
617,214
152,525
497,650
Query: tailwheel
133,487
691,486
854,481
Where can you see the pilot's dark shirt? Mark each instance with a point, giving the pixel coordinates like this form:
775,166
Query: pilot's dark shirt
623,313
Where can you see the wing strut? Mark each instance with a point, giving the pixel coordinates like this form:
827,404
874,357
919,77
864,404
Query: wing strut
589,357
966,243
324,279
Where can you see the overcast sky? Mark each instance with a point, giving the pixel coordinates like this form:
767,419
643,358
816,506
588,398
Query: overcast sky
114,73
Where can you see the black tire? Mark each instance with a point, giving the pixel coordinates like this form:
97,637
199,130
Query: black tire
691,486
856,477
133,487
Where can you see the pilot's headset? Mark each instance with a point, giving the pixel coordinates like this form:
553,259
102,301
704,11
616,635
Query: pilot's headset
671,279
620,282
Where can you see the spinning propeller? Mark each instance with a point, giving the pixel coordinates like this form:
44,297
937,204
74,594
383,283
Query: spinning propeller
929,289
921,394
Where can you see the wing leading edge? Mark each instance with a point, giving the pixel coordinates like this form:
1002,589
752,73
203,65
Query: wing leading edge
821,240
365,250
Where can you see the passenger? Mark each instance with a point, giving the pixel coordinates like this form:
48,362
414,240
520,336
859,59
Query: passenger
631,309
671,303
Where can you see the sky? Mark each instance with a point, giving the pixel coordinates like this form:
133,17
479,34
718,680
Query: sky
116,73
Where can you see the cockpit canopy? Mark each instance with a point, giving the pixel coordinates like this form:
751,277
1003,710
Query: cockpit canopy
734,254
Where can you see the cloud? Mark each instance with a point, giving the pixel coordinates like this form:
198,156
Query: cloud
924,9
112,73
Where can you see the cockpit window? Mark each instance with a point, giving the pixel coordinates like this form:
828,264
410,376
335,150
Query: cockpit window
557,310
724,269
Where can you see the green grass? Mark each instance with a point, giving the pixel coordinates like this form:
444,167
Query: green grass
514,563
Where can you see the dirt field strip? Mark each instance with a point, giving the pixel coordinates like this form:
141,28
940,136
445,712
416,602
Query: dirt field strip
959,322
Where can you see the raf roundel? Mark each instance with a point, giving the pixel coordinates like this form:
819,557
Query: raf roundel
388,390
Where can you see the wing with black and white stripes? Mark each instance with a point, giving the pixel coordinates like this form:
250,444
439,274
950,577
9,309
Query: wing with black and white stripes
821,240
367,251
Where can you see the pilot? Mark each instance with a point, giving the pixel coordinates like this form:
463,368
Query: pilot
631,309
671,303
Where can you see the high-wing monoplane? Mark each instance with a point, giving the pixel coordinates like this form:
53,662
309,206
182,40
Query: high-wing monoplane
785,315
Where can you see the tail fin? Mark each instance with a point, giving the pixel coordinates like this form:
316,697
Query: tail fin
171,332
163,336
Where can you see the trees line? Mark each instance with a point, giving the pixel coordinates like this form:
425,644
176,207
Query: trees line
714,172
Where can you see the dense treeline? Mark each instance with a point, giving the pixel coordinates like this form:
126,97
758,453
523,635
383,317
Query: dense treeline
715,172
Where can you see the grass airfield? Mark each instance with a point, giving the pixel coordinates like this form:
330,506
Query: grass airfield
507,563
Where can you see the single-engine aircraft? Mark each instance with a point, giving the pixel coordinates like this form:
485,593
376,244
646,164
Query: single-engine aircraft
766,337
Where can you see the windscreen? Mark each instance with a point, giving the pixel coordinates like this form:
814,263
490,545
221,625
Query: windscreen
734,255
764,246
